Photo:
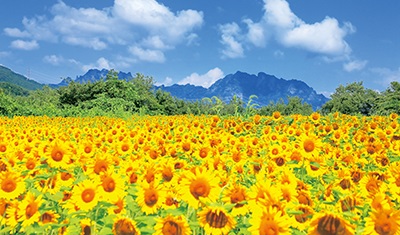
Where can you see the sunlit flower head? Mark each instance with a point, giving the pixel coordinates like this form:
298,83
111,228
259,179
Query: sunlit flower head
172,225
216,220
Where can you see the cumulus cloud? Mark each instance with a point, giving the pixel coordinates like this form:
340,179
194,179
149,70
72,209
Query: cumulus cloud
53,59
14,32
355,65
204,80
25,45
101,63
230,39
147,54
167,82
326,37
144,24
387,75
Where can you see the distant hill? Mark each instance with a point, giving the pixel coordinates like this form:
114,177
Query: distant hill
8,76
266,87
93,75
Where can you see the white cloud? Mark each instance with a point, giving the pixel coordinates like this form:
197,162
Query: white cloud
53,59
167,82
256,33
229,38
354,65
147,54
14,32
204,80
145,24
157,18
101,63
325,37
25,45
93,43
387,75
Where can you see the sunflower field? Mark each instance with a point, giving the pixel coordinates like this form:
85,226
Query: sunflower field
334,174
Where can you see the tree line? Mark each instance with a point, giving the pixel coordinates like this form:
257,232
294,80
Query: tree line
120,98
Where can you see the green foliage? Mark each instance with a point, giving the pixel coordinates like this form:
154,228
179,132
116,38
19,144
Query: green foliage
120,98
6,75
13,89
389,101
295,105
351,99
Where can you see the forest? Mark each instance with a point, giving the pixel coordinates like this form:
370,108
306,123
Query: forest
119,98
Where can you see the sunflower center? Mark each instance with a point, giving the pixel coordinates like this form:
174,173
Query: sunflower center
345,183
133,178
57,155
30,165
268,226
280,161
124,227
8,185
88,195
216,220
302,217
372,186
3,148
108,184
237,197
383,229
308,146
125,147
87,230
171,228
46,218
199,188
167,174
150,197
100,166
65,176
30,210
304,199
88,149
329,225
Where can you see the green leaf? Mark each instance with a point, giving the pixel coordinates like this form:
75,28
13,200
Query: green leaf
105,231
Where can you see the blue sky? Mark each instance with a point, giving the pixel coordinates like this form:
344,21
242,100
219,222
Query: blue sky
323,43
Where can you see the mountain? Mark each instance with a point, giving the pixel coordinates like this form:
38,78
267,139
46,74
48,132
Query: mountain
266,87
8,76
93,75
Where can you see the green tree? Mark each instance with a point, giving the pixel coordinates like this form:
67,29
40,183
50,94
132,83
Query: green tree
351,99
389,101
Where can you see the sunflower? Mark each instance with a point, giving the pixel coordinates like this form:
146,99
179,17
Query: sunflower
216,220
58,155
383,222
330,223
199,186
172,225
11,185
237,194
28,210
118,206
112,187
269,220
85,195
301,220
150,197
87,226
124,226
48,217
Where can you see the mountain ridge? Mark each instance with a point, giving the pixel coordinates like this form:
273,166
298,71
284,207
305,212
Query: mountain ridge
268,88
